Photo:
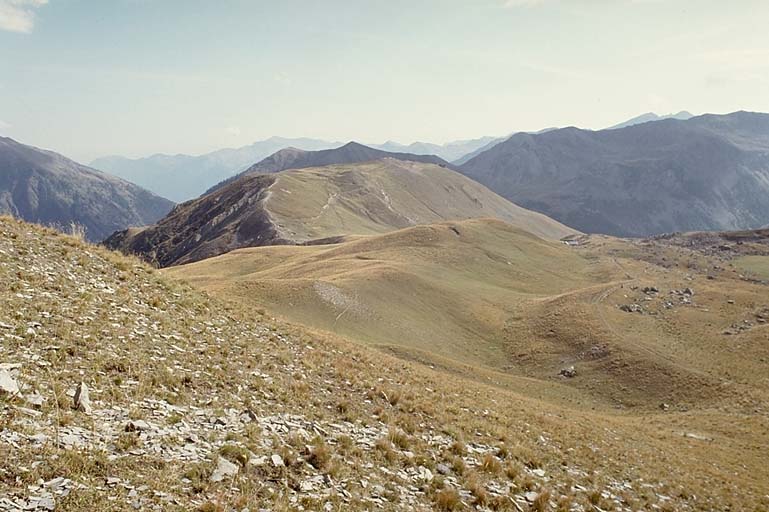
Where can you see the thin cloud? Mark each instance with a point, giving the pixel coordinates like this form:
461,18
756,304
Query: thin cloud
4,127
19,15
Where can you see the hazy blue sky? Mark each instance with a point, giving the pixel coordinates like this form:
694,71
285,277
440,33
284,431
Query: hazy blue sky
94,77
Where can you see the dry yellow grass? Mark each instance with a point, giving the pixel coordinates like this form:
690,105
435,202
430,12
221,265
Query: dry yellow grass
141,340
754,265
446,289
378,197
560,309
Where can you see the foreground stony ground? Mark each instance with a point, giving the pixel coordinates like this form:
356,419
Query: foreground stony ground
120,390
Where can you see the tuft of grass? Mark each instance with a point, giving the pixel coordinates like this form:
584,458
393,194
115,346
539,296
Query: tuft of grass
320,455
385,447
513,471
199,475
458,465
490,464
127,441
542,502
477,489
235,453
458,448
447,500
210,506
400,439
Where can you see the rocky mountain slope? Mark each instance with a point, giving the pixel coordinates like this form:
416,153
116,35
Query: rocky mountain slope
350,153
493,141
47,188
707,173
183,177
124,390
307,205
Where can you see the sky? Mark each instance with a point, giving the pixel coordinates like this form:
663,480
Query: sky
89,78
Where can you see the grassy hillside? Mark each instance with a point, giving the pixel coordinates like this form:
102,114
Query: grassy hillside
755,265
483,293
198,404
447,289
315,204
655,335
381,196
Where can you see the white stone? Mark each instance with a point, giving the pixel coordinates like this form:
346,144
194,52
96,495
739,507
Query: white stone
224,469
8,384
81,399
35,399
425,474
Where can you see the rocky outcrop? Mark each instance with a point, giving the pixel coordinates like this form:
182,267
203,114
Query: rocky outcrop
214,224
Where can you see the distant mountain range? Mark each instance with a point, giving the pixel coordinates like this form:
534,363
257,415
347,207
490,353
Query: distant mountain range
181,177
651,116
709,172
450,151
44,187
321,205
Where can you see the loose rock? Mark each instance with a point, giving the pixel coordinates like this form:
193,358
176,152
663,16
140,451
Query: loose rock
8,385
224,469
81,400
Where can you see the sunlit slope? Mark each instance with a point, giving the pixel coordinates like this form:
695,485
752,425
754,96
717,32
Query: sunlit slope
485,294
385,195
183,386
316,204
448,289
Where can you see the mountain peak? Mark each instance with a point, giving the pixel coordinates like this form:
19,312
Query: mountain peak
355,145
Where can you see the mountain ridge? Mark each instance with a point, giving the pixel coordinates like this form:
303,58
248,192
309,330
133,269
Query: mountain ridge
182,177
301,206
449,151
710,172
42,186
351,152
683,115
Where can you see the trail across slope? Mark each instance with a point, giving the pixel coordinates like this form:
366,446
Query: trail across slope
321,205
